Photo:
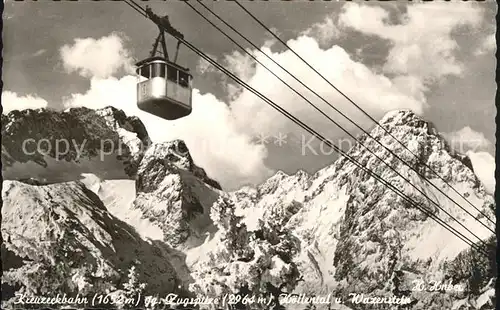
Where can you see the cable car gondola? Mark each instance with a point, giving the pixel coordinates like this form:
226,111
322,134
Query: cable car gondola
164,88
166,92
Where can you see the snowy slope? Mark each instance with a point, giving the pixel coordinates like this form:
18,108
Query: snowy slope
334,232
60,238
118,196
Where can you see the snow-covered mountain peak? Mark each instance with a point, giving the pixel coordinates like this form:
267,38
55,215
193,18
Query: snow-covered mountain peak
401,117
337,231
59,146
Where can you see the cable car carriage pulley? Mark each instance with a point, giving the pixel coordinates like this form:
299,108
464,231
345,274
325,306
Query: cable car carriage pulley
164,88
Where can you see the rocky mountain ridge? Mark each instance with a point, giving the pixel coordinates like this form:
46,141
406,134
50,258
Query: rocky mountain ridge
337,232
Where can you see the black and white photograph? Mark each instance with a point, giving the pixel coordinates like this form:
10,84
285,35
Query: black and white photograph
248,155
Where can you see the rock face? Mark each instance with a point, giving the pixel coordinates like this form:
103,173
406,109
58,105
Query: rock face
338,232
174,193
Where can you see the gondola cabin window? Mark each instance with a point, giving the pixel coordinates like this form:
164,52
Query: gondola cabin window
145,71
184,79
178,85
153,70
172,74
158,70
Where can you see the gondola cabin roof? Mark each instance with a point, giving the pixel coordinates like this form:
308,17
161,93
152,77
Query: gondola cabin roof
157,59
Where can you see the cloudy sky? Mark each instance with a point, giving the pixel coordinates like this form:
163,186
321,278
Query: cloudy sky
437,59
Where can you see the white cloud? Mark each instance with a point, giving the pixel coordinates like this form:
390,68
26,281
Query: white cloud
375,93
467,139
484,168
489,44
270,39
12,101
422,46
99,58
219,146
210,132
324,31
240,64
474,144
204,66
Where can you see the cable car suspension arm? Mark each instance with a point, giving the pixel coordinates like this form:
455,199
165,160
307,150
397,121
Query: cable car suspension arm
164,25
161,37
177,51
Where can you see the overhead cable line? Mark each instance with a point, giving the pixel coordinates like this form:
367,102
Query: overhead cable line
328,143
338,125
369,116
